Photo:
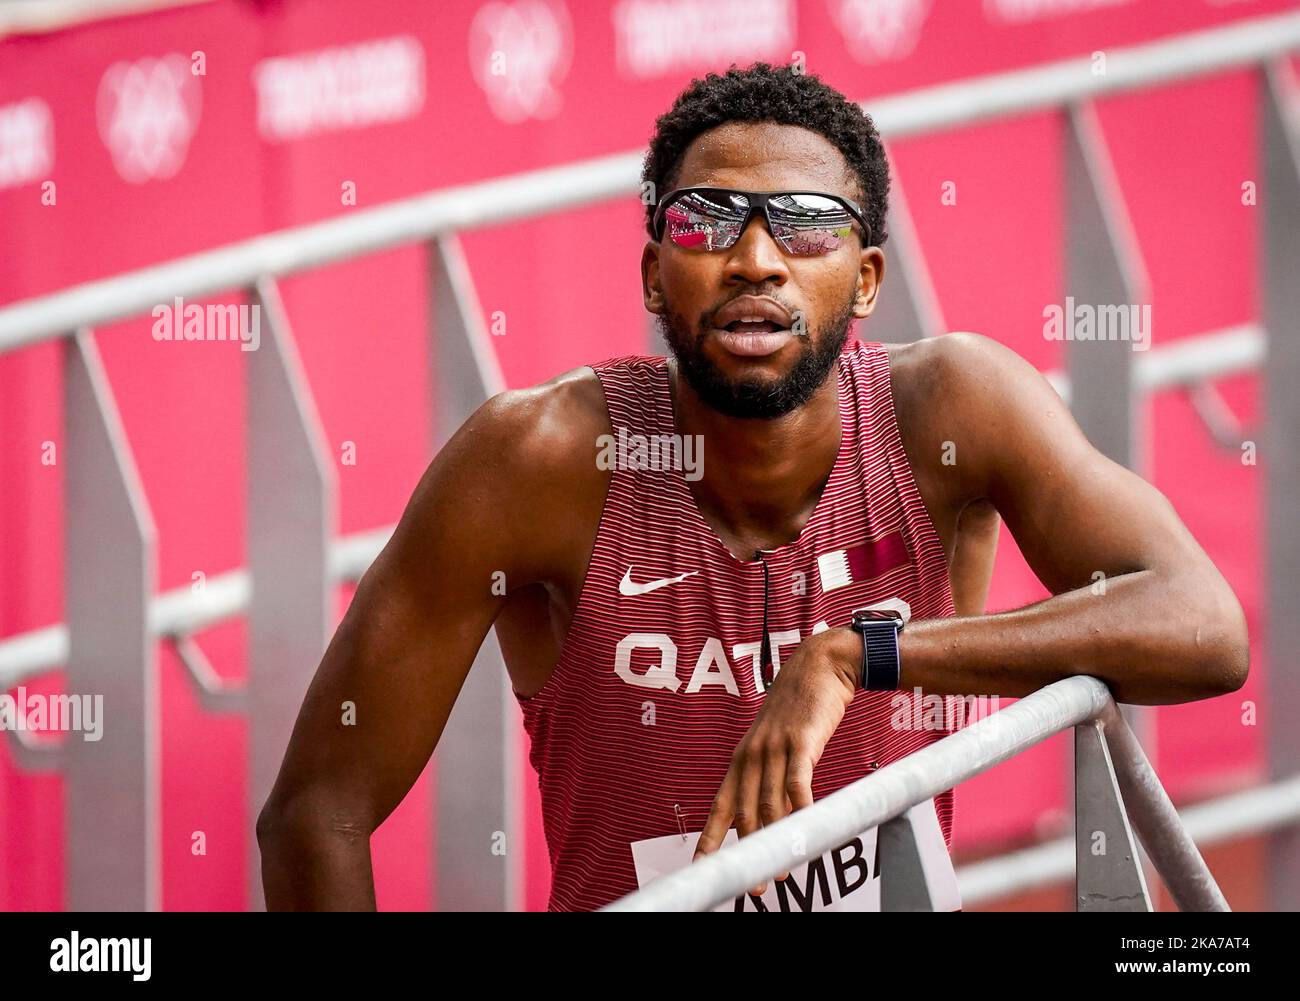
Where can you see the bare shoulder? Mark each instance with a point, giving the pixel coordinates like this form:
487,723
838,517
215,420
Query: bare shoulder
960,363
961,400
549,429
538,444
971,377
932,381
516,487
521,477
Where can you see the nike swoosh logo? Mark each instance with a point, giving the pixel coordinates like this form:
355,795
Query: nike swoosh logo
625,586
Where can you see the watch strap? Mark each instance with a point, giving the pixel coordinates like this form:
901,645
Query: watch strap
880,661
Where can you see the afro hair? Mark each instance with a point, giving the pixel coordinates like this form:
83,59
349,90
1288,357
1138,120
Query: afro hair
763,93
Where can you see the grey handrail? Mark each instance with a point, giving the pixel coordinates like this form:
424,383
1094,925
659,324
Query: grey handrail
884,795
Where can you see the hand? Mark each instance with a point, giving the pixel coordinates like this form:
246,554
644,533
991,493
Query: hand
771,769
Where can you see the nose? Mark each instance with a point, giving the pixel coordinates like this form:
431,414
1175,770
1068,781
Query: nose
756,258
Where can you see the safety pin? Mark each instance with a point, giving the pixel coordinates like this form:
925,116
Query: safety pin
681,820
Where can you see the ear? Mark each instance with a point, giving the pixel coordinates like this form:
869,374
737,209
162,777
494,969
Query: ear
871,273
651,291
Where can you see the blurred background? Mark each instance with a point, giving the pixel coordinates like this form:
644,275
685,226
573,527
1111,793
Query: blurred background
150,488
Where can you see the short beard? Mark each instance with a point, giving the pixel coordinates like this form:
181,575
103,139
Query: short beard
762,399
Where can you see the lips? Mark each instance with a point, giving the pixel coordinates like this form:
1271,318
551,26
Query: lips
752,345
749,312
752,326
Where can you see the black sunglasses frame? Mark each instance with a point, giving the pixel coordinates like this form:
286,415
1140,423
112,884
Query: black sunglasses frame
757,203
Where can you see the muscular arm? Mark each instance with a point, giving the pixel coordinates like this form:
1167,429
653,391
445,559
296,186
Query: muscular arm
1159,624
1136,602
405,646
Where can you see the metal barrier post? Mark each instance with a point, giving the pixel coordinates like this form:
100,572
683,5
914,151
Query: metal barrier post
479,841
1160,830
908,307
111,785
1280,253
915,870
1105,273
292,494
1108,873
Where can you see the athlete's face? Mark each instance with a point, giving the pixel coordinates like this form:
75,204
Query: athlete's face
760,375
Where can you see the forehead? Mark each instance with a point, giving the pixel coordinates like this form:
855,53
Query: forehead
766,156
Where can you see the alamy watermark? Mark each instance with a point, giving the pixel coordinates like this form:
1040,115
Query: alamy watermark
75,954
181,321
919,711
37,712
1086,322
656,452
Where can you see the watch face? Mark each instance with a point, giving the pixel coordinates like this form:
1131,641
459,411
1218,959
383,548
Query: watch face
891,615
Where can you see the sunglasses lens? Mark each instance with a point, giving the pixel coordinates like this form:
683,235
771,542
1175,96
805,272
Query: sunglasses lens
803,224
809,224
701,220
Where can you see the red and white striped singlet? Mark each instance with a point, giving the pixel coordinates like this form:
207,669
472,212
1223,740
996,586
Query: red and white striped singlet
653,690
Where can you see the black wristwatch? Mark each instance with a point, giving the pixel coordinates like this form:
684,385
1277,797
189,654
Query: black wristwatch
879,628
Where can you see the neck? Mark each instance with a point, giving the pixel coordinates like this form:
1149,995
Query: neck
761,478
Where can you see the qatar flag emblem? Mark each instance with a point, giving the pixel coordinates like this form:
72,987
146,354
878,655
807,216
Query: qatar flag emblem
857,564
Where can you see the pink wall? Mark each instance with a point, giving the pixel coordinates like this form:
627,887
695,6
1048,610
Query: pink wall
995,258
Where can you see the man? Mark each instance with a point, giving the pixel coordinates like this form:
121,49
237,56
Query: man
652,598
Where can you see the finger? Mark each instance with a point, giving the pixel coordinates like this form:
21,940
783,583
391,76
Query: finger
798,781
789,809
749,788
721,814
772,798
749,777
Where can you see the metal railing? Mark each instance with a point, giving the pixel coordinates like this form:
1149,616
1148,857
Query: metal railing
1110,772
1261,809
114,617
32,16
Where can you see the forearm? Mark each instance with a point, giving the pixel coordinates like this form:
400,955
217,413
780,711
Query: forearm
313,864
1150,642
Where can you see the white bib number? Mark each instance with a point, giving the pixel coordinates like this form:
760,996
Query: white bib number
844,879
